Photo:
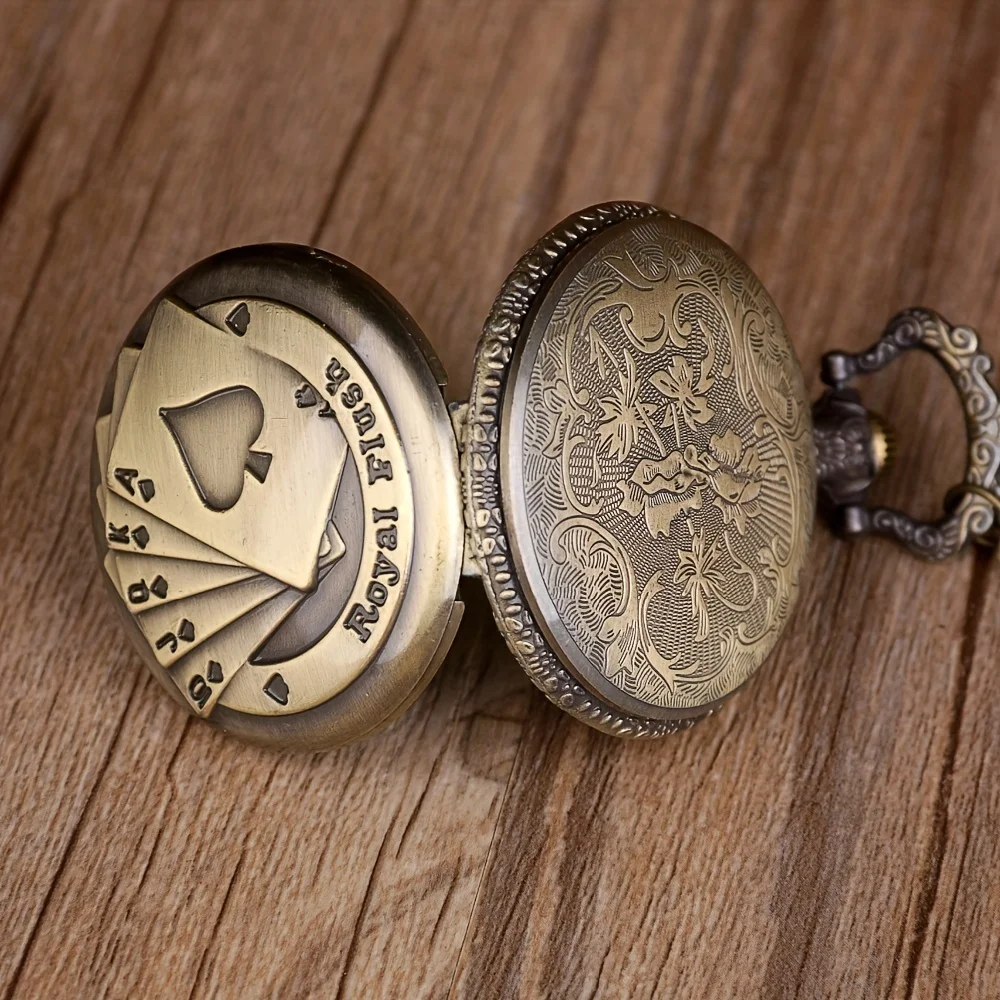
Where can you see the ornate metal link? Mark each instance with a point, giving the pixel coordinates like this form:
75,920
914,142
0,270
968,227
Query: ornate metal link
975,503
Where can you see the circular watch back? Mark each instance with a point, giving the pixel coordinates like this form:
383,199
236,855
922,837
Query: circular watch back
258,509
640,468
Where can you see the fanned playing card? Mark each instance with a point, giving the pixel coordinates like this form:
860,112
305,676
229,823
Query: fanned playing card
105,427
129,528
202,675
149,581
211,441
128,357
101,445
174,629
331,546
112,570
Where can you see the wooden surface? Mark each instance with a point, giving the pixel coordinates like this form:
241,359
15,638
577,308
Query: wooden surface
832,833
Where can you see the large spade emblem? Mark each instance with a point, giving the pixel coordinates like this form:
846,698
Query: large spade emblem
215,435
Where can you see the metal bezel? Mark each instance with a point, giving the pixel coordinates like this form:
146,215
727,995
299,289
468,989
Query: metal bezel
523,289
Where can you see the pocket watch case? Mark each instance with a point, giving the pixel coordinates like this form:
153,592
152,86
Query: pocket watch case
284,389
639,469
283,503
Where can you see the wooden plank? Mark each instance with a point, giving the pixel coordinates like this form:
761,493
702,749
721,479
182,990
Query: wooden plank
955,949
31,34
831,833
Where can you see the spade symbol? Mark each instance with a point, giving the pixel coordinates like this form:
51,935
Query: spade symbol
214,436
239,319
305,396
277,689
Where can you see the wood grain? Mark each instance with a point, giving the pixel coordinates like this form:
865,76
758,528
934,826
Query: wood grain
832,833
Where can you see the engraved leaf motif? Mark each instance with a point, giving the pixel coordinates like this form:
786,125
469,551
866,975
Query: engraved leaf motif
599,353
679,384
726,449
623,414
631,644
701,576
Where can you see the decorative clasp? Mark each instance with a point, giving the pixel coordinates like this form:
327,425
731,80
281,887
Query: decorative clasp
854,445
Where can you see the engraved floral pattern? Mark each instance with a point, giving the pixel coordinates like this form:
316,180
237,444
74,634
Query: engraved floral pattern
666,466
623,414
684,389
701,572
559,401
736,472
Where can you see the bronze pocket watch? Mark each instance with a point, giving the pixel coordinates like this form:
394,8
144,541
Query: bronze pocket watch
284,504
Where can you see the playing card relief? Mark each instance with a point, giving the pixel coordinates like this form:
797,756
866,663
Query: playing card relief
130,528
222,459
124,370
272,431
335,389
202,674
215,437
205,614
214,425
149,581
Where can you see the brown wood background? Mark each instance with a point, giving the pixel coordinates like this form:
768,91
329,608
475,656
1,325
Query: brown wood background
832,833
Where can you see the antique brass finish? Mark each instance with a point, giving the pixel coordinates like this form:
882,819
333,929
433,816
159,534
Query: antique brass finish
258,514
849,443
279,487
643,515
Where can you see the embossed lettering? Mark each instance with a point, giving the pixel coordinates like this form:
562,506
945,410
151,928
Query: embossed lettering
364,419
376,442
352,395
378,468
168,639
125,477
199,690
359,618
384,566
336,375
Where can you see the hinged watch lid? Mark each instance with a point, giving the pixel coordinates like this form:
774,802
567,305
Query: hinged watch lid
277,497
639,468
